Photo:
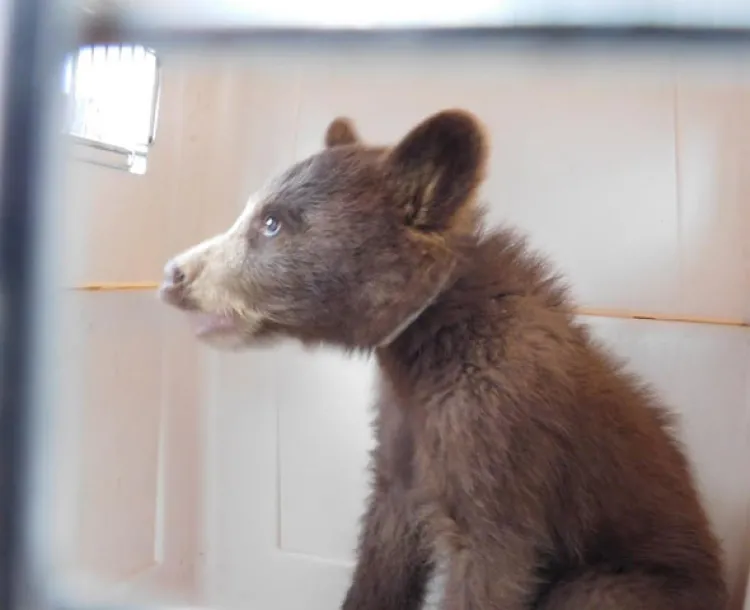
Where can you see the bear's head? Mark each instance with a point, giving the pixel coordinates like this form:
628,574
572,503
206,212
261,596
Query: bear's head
346,247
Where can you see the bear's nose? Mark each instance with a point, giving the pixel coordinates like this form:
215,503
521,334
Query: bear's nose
173,274
172,289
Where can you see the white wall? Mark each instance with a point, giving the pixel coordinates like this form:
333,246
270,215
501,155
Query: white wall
631,173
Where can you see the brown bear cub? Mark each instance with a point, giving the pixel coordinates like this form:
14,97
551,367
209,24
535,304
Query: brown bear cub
511,447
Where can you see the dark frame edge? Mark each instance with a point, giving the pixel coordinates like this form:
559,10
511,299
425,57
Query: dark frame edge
112,28
17,250
36,32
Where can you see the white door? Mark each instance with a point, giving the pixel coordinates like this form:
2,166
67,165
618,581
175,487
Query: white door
289,441
584,159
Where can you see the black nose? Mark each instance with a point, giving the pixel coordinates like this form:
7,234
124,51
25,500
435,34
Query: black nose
173,275
173,288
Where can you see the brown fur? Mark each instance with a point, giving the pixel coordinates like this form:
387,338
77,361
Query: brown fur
509,443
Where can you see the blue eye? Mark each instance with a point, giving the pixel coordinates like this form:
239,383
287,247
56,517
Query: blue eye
271,226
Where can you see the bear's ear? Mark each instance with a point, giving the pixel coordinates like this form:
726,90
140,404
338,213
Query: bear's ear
437,168
340,132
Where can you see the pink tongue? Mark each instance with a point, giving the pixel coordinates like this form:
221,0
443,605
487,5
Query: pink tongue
204,323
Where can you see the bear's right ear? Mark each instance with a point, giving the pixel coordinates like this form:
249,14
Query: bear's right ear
340,133
437,168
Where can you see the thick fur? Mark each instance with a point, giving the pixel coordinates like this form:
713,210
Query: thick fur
510,445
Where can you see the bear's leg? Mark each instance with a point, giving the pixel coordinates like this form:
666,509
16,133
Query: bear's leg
393,563
489,579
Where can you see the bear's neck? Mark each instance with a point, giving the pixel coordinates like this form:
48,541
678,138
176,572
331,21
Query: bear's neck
471,314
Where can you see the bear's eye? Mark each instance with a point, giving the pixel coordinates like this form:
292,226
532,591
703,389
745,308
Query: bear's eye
271,226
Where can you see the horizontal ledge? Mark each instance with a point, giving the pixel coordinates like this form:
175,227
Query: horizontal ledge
581,311
116,286
657,317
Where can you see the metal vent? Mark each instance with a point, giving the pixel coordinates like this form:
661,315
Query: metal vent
113,96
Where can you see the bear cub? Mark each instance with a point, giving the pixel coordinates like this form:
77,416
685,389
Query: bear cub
511,446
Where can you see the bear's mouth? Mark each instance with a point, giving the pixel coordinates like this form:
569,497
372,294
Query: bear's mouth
210,324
